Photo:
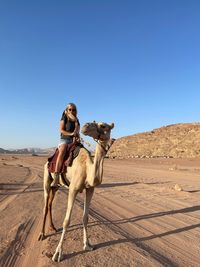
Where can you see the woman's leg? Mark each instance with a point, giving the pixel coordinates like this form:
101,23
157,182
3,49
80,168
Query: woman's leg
60,158
59,161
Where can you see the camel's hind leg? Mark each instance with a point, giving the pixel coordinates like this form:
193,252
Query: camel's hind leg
88,198
45,211
47,188
51,198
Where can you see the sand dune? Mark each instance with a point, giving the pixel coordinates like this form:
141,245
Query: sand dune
137,218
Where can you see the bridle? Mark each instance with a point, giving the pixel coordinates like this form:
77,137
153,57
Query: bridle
99,141
105,147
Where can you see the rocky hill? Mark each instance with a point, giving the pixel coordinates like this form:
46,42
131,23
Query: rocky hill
177,141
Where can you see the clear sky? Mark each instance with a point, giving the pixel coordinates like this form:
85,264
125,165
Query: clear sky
134,63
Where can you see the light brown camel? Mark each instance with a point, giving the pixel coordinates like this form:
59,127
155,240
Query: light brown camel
85,173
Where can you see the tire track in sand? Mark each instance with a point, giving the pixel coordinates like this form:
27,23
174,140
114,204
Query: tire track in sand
32,257
5,201
18,253
16,246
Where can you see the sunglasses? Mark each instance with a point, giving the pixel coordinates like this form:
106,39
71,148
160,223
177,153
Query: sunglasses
71,109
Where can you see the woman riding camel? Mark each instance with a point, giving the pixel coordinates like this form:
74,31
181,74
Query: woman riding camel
69,133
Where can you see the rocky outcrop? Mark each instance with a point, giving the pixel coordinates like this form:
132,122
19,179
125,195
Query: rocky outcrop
177,141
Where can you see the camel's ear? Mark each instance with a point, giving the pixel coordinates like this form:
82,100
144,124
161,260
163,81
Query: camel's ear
112,125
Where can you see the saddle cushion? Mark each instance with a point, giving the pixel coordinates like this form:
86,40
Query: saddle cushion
71,152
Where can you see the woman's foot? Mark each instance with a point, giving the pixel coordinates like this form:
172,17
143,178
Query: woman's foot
55,182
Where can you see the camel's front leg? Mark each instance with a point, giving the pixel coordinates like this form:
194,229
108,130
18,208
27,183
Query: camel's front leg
88,197
71,198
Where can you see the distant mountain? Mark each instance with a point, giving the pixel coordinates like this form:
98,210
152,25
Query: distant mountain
3,151
28,151
177,141
15,151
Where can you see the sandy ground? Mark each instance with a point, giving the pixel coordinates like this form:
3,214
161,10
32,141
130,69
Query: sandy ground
137,218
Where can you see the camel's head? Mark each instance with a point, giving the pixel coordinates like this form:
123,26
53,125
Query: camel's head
98,130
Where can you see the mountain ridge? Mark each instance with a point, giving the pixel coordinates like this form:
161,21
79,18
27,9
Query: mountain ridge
28,151
181,140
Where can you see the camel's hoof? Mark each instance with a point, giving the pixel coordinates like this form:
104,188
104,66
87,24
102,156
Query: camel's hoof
41,237
88,248
57,257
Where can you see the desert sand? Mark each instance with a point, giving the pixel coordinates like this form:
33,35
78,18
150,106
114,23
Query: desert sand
137,217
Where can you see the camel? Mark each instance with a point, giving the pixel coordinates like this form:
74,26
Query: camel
85,173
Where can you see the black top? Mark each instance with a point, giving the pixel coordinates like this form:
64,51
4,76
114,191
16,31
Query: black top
69,126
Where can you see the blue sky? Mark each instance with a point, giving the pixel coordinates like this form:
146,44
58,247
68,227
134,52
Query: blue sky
134,63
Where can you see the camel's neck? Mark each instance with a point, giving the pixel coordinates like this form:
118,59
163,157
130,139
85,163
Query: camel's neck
98,162
96,169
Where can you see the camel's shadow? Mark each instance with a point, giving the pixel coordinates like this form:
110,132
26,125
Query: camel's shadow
20,188
75,254
138,242
117,227
105,185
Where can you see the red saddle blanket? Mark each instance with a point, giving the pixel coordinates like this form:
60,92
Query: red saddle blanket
68,158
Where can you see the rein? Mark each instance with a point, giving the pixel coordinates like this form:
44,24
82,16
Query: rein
98,141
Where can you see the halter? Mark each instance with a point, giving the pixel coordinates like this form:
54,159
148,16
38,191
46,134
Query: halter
101,145
99,141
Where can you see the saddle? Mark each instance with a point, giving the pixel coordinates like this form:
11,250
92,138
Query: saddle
72,151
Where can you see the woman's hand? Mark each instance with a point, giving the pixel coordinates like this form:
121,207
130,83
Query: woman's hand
75,134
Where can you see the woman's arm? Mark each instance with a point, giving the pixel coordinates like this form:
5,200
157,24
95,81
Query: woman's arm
62,129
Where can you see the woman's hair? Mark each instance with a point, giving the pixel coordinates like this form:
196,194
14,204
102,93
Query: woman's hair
71,105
